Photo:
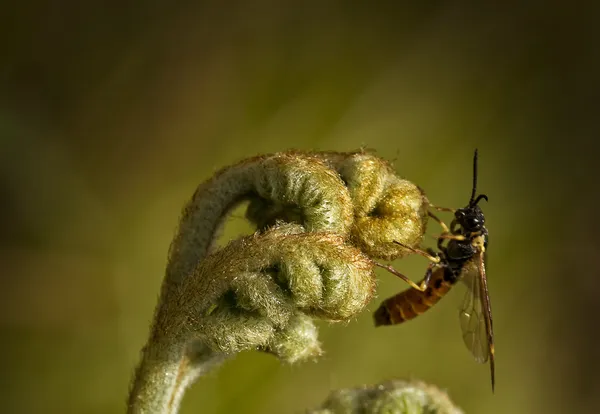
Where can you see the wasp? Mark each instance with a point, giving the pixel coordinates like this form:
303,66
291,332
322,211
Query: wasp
461,256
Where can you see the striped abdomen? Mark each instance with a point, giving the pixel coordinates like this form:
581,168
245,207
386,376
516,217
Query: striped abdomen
412,302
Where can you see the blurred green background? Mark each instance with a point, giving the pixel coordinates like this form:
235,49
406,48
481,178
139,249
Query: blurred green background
111,113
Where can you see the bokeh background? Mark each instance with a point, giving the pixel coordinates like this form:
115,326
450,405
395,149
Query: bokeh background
111,113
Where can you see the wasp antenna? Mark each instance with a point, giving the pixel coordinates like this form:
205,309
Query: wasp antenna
479,197
474,190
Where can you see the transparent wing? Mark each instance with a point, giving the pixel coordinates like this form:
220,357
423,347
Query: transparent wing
474,315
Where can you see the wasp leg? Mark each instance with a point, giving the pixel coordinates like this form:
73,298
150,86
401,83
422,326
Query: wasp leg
400,275
434,259
440,222
444,236
427,278
450,210
459,237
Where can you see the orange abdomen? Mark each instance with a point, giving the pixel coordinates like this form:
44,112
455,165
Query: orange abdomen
412,302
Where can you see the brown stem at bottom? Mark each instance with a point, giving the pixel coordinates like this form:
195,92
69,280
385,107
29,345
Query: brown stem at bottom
164,374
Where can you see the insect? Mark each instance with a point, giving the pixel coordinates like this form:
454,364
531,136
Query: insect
461,256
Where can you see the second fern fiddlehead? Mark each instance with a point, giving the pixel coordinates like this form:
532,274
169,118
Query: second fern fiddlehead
385,207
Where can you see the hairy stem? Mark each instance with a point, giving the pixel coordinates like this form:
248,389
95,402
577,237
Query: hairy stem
164,374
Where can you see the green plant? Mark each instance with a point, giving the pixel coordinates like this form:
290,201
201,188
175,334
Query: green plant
322,219
391,397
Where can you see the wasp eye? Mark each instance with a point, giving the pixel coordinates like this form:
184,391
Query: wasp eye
473,222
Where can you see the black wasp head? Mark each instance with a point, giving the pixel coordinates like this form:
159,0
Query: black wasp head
471,217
